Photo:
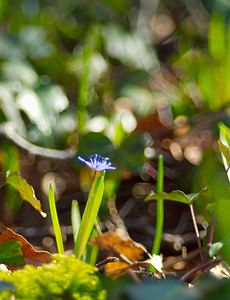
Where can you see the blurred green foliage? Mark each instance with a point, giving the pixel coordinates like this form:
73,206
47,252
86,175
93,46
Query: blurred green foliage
86,74
88,67
92,74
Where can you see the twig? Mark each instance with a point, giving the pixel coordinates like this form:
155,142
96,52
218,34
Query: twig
101,264
197,232
203,266
181,258
211,234
8,130
133,275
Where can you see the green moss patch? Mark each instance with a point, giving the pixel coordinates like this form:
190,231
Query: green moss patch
64,278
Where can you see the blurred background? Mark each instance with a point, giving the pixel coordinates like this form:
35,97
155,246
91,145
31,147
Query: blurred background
129,79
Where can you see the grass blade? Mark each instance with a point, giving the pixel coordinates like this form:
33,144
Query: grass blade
160,207
92,251
55,222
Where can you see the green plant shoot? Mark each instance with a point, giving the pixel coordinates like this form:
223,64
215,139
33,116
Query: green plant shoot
55,222
92,251
90,213
75,219
160,207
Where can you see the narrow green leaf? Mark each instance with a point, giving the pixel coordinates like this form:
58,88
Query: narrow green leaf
11,253
92,251
217,34
224,145
160,208
90,213
225,151
55,222
25,190
177,196
75,218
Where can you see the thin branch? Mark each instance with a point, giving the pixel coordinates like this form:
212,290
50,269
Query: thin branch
211,233
197,232
100,264
181,258
203,266
8,130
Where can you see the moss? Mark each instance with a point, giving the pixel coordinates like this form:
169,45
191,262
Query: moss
64,278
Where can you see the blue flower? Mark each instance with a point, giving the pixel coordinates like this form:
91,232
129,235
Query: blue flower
97,162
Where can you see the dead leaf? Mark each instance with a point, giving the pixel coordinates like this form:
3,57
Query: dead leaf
125,248
30,254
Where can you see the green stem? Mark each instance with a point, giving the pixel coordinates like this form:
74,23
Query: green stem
84,90
90,213
55,222
92,251
160,207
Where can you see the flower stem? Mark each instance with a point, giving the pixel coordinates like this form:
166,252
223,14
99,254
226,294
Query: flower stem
90,213
160,207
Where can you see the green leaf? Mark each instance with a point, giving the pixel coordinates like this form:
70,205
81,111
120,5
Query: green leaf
75,218
25,190
92,251
217,37
224,145
134,144
11,254
214,249
225,151
55,221
90,213
177,196
95,143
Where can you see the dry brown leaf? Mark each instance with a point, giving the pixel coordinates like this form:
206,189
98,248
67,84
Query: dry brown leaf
128,250
30,254
126,246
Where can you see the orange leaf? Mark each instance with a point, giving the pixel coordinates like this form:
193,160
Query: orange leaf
128,250
30,254
126,246
116,269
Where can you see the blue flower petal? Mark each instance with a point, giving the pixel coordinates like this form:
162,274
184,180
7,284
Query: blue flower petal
97,162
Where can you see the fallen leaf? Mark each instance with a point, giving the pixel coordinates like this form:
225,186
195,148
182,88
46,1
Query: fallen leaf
30,254
125,248
111,241
25,190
